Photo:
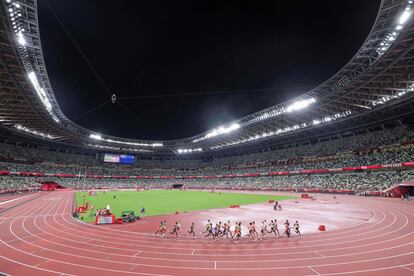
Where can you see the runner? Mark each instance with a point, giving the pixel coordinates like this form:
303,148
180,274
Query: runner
237,231
226,230
255,234
207,227
218,230
160,229
273,228
191,231
264,228
296,226
276,228
287,229
209,230
176,229
164,228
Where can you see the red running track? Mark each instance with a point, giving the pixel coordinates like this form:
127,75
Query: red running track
41,238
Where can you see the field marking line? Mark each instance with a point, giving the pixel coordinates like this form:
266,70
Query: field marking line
192,253
65,262
31,266
310,251
344,242
215,264
88,240
407,268
136,254
14,199
317,273
320,254
44,262
37,251
132,267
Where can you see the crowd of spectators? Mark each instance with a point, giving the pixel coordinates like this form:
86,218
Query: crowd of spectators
389,146
361,181
386,155
17,183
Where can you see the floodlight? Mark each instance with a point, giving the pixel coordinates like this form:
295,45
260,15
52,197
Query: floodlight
21,39
404,16
300,105
95,136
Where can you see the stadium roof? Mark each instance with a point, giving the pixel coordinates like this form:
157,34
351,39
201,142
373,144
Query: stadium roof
378,78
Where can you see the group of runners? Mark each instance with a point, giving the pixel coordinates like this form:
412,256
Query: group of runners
219,230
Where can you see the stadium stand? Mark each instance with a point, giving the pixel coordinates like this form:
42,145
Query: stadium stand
372,161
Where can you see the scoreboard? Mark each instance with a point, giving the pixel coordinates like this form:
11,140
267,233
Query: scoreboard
119,158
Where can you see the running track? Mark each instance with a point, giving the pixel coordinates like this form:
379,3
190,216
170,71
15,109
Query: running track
40,237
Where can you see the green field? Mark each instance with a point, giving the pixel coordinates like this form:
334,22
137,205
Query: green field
160,202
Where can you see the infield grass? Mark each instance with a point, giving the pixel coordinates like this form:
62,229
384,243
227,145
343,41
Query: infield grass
161,202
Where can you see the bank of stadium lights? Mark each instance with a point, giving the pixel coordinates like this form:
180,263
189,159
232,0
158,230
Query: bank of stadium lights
40,91
295,106
218,131
392,35
385,99
116,148
100,138
276,132
15,13
183,151
300,105
21,39
34,132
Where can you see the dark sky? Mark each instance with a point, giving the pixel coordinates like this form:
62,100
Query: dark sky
147,48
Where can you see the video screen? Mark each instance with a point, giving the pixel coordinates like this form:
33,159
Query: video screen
119,158
126,159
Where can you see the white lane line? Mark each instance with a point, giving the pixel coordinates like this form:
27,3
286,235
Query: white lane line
320,254
382,249
365,234
88,240
14,199
32,216
323,241
132,267
336,248
31,266
407,268
102,231
215,264
368,270
192,253
136,254
68,263
317,273
44,262
37,251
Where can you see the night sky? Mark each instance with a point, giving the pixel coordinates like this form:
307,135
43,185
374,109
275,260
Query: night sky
260,52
